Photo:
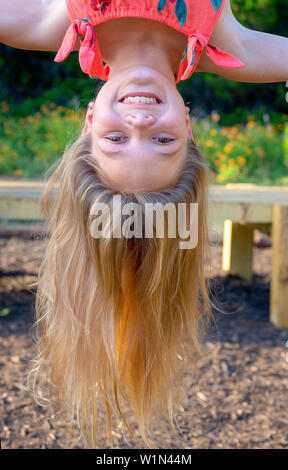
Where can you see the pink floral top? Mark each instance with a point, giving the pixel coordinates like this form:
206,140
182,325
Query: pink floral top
194,18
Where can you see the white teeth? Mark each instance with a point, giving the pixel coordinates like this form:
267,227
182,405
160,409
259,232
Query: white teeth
139,99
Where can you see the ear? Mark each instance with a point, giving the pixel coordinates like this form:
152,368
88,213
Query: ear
89,118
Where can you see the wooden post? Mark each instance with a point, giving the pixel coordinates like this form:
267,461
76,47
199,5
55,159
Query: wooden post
237,255
279,278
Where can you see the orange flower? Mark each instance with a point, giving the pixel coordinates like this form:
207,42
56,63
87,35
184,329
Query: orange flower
220,178
18,172
228,148
241,160
213,132
209,143
44,109
260,151
251,124
231,161
4,106
215,117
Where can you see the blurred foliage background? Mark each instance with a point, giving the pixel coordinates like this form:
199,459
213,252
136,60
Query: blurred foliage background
29,78
37,90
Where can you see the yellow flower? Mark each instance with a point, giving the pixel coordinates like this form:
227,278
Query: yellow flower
231,161
222,156
220,178
5,149
213,132
209,143
228,148
241,160
216,163
223,167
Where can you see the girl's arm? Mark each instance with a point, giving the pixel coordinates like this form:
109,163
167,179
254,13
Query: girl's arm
33,24
265,55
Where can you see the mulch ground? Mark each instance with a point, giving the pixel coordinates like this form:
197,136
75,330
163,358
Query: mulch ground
238,399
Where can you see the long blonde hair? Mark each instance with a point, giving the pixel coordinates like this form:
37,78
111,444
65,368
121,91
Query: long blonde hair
116,317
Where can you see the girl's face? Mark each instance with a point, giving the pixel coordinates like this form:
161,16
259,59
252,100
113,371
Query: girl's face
139,147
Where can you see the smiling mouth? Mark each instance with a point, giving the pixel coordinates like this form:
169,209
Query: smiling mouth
140,94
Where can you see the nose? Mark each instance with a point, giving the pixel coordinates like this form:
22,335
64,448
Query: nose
139,119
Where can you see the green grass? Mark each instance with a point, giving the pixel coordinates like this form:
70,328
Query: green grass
250,152
29,145
255,151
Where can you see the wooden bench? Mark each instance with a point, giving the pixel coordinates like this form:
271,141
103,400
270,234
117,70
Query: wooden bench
241,208
246,207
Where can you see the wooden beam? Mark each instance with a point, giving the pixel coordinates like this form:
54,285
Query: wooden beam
237,202
279,278
242,212
237,255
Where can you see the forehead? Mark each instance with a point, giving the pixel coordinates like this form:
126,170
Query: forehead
139,177
144,170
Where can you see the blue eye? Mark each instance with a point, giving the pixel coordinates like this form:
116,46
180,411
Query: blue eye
116,139
164,140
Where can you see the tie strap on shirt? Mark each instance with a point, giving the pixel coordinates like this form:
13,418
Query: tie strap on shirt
197,42
91,60
89,53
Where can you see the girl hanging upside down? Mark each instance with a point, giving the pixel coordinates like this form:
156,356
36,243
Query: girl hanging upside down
117,317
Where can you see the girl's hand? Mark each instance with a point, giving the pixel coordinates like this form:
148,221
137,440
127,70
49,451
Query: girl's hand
265,55
33,24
